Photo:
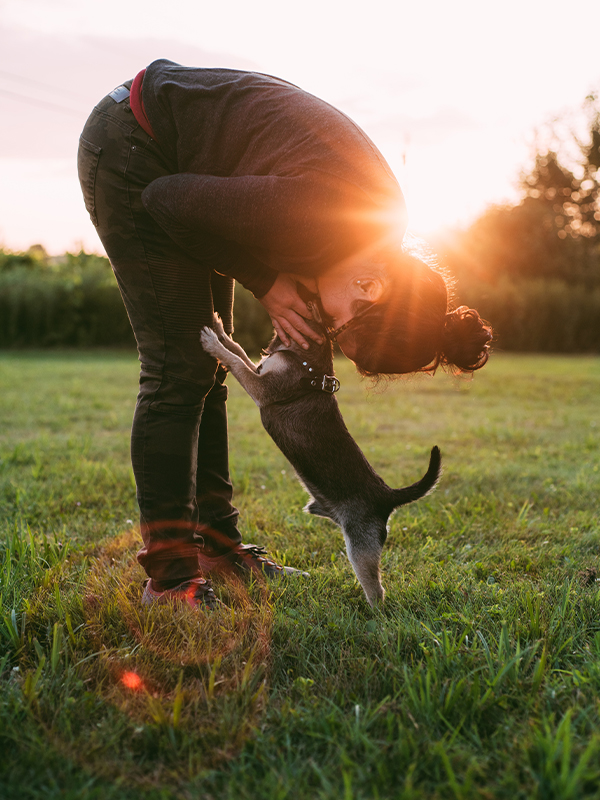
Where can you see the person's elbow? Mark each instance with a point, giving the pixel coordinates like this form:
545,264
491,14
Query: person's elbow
155,201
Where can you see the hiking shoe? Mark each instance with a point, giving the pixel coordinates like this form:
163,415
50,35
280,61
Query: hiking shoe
246,559
195,592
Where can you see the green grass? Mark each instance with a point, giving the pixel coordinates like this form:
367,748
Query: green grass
479,678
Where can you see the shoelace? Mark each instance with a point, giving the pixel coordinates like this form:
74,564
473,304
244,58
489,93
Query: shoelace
198,588
257,552
201,590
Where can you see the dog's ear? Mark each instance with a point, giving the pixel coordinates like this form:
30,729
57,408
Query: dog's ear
314,310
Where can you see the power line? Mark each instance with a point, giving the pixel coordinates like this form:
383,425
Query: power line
42,103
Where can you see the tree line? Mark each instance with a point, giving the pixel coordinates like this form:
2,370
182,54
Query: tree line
531,269
73,301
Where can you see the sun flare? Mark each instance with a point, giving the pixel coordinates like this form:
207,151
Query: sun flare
131,680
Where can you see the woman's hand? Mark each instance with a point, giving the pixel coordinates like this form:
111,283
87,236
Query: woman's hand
288,312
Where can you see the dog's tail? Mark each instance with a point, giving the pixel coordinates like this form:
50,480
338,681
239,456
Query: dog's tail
400,497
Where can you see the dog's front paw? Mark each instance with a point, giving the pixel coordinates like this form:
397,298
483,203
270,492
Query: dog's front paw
210,342
218,327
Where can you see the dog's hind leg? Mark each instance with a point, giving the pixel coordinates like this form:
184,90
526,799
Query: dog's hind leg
364,545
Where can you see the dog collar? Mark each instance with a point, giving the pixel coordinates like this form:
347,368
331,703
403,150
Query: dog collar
328,384
322,383
333,333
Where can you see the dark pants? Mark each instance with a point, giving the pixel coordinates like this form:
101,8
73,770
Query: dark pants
179,446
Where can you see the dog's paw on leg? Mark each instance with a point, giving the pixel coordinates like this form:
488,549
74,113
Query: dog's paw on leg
218,327
210,342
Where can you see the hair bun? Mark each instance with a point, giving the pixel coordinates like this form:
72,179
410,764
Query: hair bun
465,340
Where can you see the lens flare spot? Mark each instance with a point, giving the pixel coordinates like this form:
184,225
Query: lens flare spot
132,681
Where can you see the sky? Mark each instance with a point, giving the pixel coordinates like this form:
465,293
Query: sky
450,92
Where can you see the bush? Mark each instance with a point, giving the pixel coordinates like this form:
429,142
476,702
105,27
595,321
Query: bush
74,301
73,304
543,316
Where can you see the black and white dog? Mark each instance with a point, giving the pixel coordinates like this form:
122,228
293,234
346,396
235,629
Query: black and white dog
294,389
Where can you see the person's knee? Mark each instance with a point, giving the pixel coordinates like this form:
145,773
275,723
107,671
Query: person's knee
219,392
170,395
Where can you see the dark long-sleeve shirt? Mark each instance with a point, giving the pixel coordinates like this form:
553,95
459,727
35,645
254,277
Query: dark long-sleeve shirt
270,178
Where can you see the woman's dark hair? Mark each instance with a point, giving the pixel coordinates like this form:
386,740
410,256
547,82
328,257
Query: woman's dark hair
412,329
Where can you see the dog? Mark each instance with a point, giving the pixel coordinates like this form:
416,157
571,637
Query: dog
294,390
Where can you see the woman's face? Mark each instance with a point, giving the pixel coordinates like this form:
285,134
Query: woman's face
340,289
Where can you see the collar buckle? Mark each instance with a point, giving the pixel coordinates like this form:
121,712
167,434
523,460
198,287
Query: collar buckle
326,383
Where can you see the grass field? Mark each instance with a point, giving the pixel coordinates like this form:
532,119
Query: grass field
479,678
